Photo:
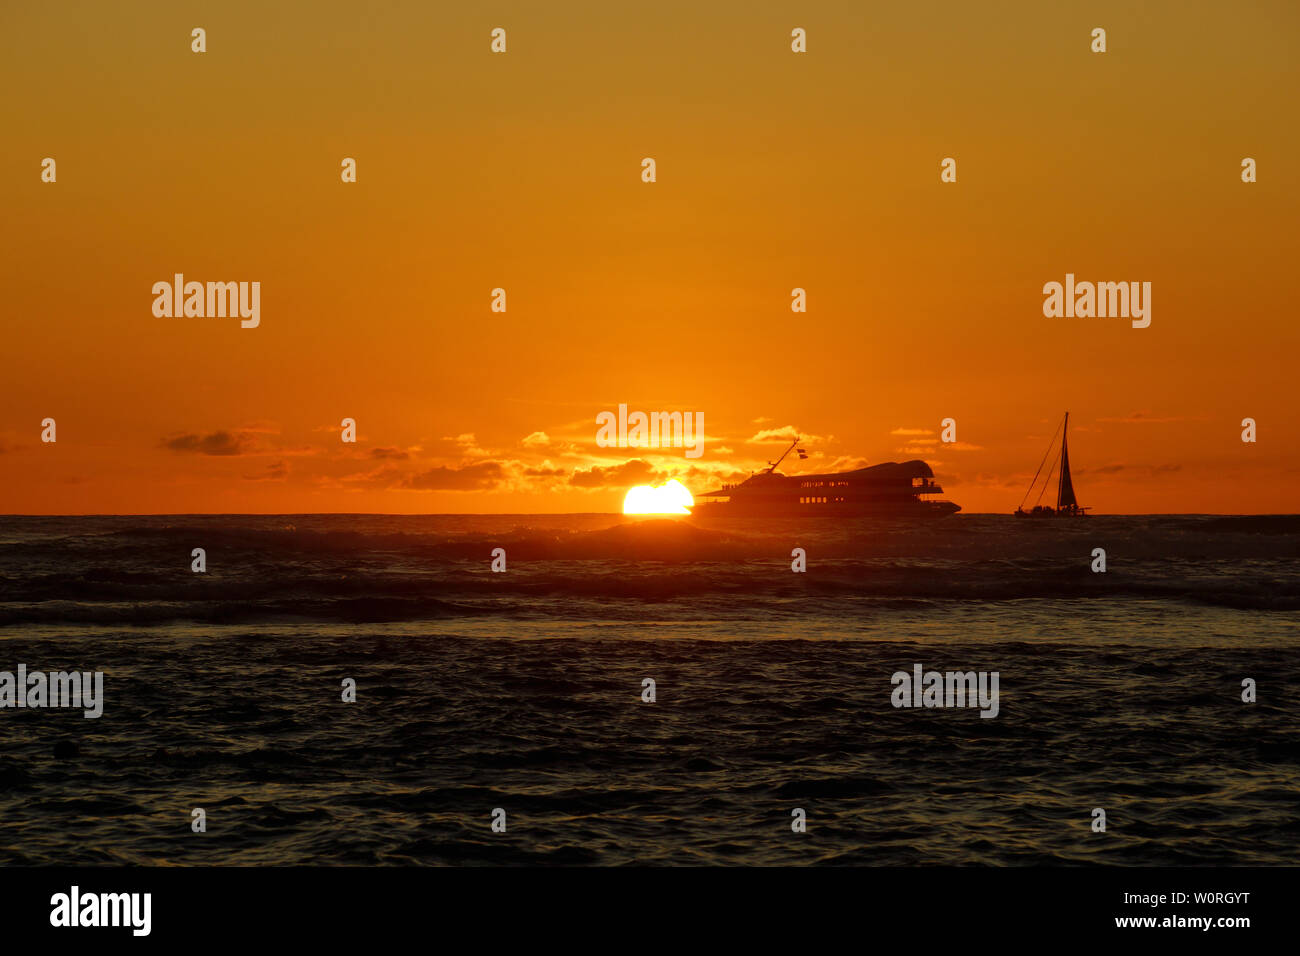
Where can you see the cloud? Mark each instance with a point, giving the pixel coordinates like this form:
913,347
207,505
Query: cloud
1138,472
634,472
385,476
477,477
216,443
276,471
469,446
537,440
1140,418
389,452
928,446
912,431
784,433
260,428
846,463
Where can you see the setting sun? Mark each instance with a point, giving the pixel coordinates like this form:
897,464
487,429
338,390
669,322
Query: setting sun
670,498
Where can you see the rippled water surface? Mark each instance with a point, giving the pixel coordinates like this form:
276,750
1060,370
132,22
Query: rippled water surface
523,690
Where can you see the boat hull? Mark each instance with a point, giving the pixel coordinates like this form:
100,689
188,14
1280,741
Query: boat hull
846,509
887,490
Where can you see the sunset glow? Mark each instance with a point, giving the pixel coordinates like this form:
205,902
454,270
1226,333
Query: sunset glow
373,292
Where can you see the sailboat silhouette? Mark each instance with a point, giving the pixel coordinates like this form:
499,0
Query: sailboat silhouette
1067,505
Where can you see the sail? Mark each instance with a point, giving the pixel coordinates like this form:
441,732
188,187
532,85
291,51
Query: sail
1065,493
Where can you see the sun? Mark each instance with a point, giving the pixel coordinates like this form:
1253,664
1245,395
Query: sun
670,498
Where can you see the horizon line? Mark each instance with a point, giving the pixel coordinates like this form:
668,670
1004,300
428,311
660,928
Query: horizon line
578,514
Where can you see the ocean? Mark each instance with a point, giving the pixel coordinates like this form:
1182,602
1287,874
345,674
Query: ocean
523,691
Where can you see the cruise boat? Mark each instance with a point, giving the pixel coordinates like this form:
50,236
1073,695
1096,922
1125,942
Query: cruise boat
893,489
1067,504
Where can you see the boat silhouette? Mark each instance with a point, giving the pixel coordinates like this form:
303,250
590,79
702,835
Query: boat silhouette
1067,504
892,489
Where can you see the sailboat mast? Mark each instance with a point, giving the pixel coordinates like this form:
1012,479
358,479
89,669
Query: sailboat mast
1065,463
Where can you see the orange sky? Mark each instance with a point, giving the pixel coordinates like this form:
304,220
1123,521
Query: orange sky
522,171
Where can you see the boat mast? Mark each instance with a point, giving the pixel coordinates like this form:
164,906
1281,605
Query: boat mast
772,467
1065,497
1065,463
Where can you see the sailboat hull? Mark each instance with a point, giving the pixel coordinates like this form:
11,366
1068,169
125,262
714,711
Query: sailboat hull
1042,512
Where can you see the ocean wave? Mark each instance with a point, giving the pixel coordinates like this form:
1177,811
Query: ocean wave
360,569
